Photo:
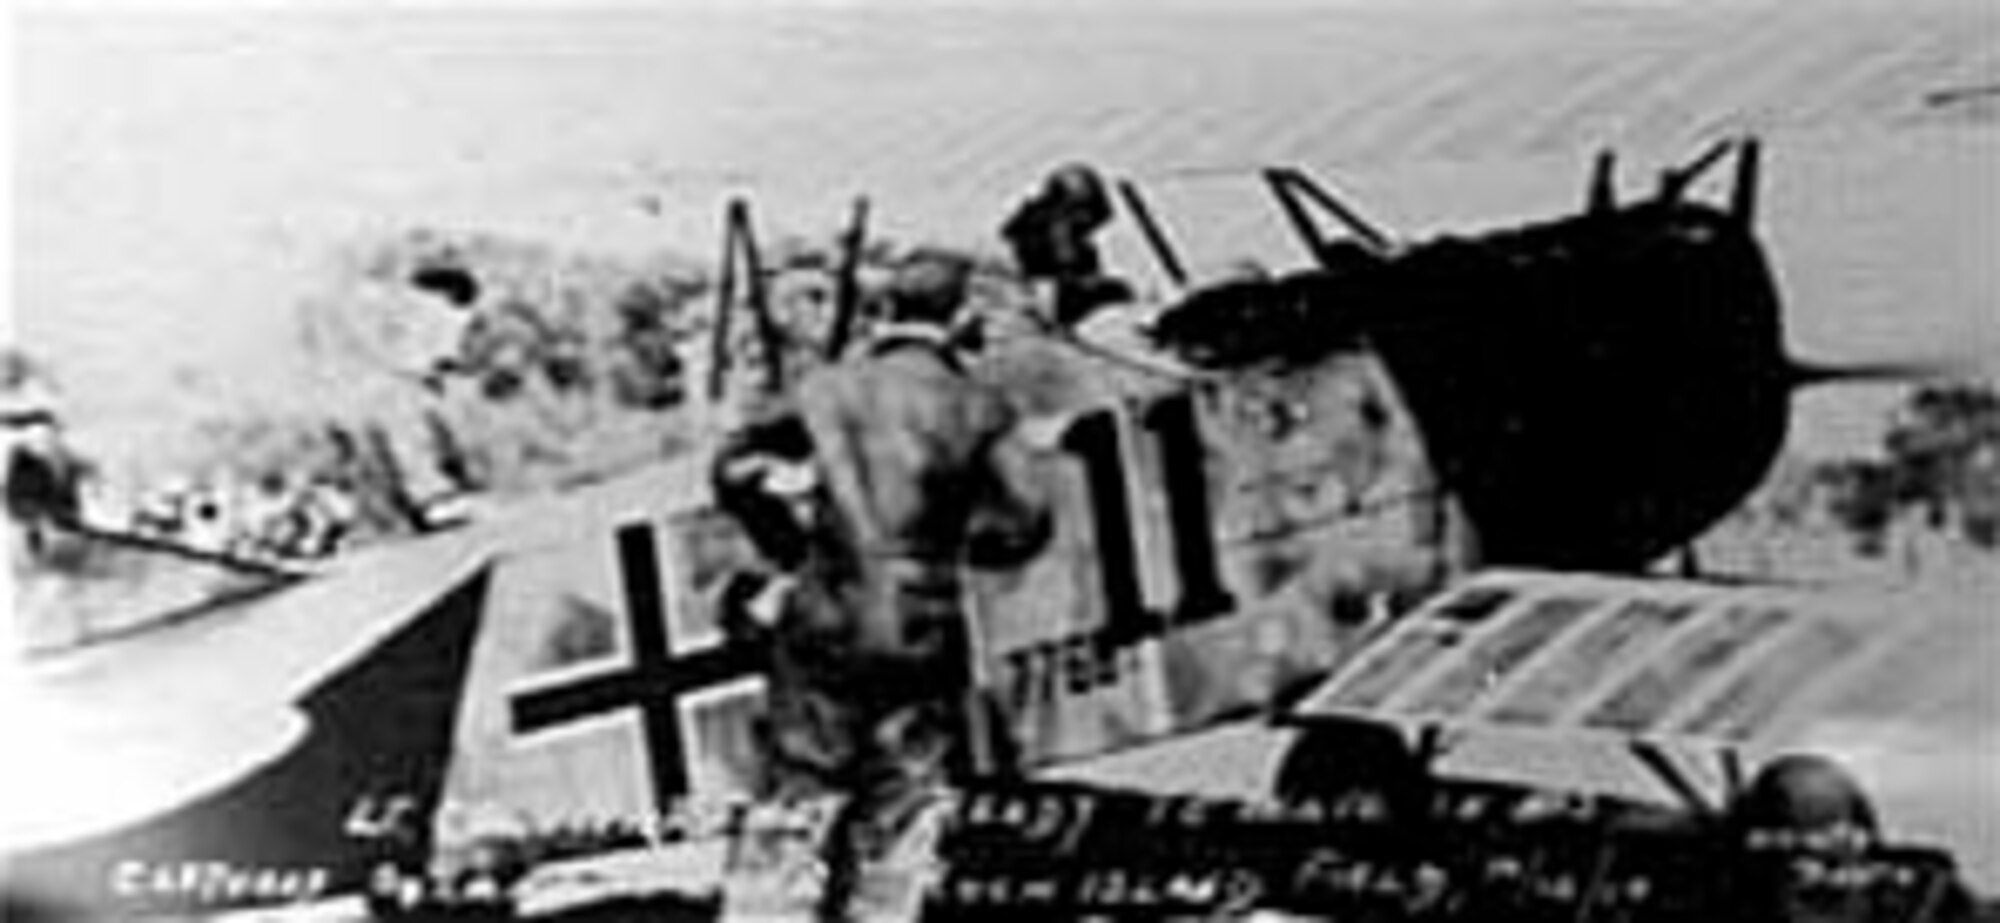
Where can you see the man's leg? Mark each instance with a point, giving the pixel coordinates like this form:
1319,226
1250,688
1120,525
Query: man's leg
875,864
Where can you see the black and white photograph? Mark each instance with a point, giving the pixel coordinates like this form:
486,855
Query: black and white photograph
882,460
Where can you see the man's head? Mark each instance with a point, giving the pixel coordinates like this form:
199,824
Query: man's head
1805,828
928,287
1356,769
1805,797
1080,191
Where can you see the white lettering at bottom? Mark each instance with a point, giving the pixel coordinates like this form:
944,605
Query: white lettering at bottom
210,881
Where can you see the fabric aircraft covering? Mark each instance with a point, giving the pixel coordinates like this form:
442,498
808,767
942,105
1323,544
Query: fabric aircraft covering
1552,679
220,761
1219,545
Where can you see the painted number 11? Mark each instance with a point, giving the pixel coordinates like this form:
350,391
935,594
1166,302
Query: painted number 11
1171,423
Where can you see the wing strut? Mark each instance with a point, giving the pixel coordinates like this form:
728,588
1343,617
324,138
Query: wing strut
1603,195
1156,236
1672,776
740,256
1294,190
847,288
1674,181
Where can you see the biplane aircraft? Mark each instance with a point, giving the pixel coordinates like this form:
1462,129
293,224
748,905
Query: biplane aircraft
1240,511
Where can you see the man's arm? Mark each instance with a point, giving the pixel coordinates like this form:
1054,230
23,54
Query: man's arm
744,479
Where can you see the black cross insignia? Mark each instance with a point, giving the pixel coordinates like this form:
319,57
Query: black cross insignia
654,682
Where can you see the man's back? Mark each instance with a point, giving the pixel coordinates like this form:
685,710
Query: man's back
905,439
921,480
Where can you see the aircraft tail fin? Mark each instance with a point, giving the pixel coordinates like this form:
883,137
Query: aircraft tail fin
360,784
